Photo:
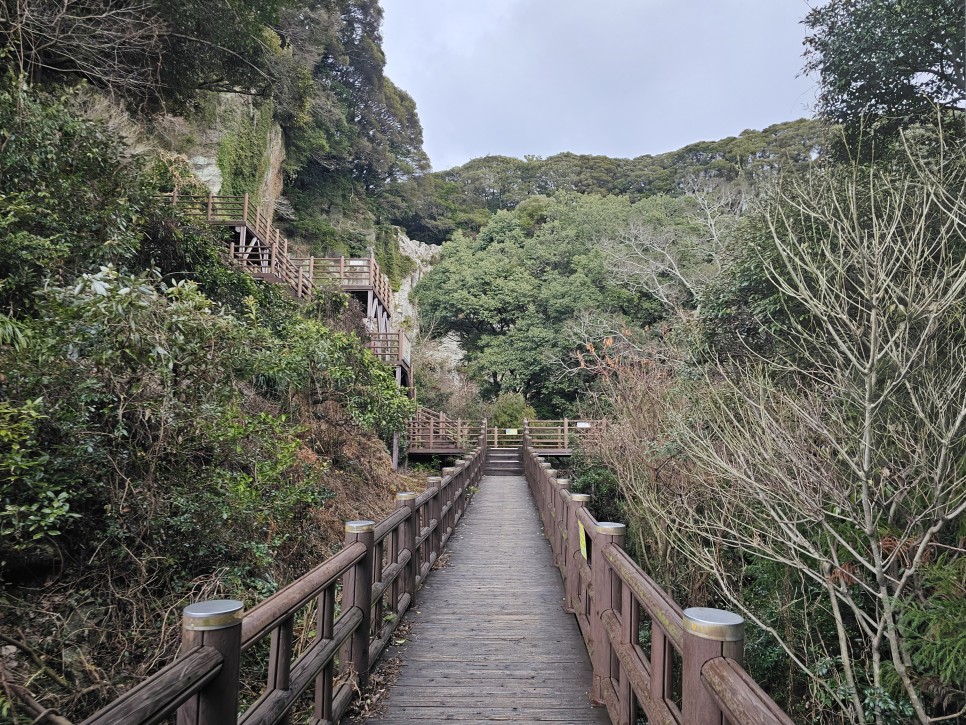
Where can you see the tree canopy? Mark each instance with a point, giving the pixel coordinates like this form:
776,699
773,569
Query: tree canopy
887,59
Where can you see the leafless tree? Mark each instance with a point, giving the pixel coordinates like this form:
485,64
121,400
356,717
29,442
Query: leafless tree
675,263
842,458
114,44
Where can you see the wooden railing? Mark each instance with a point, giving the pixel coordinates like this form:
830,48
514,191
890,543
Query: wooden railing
432,431
680,667
352,274
263,250
392,347
352,602
549,436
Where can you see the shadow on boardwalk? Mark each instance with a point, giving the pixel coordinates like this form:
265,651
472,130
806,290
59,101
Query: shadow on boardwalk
490,640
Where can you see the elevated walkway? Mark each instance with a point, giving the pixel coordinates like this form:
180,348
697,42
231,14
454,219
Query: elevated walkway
490,640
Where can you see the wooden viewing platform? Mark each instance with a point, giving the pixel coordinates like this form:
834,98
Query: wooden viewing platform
431,432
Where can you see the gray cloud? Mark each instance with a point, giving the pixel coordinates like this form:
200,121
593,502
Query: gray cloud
613,77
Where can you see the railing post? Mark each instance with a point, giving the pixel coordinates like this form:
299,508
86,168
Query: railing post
208,214
357,592
433,508
560,521
603,601
245,209
566,440
708,634
408,531
572,576
215,623
447,499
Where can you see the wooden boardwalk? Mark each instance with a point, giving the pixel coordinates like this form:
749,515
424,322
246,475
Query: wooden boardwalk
490,640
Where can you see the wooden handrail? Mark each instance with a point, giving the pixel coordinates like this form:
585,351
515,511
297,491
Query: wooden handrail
607,591
202,683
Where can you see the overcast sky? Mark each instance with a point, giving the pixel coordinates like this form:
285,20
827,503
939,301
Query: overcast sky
613,77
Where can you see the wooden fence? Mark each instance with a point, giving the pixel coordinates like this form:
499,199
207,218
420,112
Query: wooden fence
557,437
379,569
431,431
392,347
679,667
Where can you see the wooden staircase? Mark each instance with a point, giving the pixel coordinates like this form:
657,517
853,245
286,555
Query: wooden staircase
263,252
503,462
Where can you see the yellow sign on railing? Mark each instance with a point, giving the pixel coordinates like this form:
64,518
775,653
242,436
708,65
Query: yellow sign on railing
583,540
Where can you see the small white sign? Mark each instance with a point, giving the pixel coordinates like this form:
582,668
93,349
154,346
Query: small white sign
511,431
583,424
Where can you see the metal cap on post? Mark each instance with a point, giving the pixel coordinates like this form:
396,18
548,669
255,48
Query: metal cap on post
610,528
715,624
215,623
359,527
708,634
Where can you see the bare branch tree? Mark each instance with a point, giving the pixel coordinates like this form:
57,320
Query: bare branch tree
672,262
114,44
850,475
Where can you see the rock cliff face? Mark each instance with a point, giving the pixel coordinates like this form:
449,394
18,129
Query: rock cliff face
405,314
444,354
231,141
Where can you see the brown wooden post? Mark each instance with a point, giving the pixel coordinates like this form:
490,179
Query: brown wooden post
208,214
560,522
447,499
572,575
245,209
433,508
324,630
357,592
280,659
708,634
630,622
215,623
603,601
549,491
408,531
566,440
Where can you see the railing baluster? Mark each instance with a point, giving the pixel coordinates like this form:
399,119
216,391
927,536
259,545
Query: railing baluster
280,659
325,604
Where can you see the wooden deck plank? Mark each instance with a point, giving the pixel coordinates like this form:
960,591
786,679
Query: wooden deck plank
490,641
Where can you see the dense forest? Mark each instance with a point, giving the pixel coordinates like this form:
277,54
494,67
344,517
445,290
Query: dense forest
772,326
170,428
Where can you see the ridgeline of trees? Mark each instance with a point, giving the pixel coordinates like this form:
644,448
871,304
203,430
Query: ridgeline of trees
774,328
